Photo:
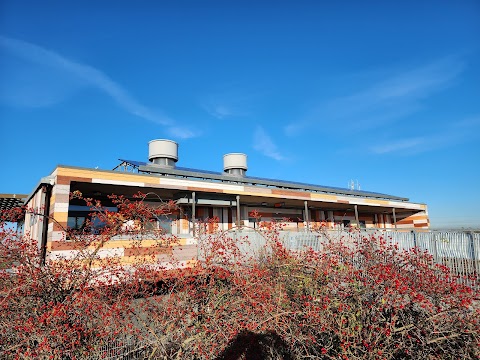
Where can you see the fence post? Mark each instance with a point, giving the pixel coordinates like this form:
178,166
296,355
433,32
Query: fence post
472,244
474,259
435,255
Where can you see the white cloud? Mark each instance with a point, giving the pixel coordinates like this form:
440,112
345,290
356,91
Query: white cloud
219,111
394,97
456,132
230,102
467,123
221,106
182,133
264,144
401,145
93,77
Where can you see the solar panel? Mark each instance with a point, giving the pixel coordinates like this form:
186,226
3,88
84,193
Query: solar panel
221,176
333,188
134,163
199,171
296,183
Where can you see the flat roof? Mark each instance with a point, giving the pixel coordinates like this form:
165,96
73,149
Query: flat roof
182,172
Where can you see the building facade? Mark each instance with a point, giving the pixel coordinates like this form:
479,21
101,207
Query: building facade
231,197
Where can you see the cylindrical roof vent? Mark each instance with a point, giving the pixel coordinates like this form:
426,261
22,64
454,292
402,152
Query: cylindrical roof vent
163,152
235,164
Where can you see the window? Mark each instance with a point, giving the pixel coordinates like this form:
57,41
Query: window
76,222
165,223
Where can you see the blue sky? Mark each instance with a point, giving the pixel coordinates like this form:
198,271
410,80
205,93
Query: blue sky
386,93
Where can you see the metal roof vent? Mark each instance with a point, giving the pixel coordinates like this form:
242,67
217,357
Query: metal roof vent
235,164
163,152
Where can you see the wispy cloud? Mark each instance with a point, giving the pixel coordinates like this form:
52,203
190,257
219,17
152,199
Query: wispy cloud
411,144
183,132
263,143
93,77
229,102
456,132
389,99
219,111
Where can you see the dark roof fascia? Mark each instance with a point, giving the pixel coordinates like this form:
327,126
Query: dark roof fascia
265,182
47,180
148,170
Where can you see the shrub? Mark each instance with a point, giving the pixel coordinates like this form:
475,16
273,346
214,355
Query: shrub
361,299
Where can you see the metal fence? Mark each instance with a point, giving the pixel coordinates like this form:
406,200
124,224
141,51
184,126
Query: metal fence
122,349
459,251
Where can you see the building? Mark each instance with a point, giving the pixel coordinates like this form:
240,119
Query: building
230,196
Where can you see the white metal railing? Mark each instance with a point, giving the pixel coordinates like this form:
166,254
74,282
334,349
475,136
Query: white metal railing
459,251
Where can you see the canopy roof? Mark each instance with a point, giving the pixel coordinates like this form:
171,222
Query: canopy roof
9,201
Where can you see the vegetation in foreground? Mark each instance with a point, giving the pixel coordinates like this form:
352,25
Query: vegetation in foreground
362,300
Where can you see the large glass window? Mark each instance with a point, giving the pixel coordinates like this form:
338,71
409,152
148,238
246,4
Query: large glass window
165,223
76,222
